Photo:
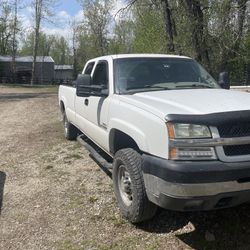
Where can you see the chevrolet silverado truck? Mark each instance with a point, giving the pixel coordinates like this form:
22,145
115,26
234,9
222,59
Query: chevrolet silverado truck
173,136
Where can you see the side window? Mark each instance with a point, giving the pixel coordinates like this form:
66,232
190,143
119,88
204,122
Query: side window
100,76
89,68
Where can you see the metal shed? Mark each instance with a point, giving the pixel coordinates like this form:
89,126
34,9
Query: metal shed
64,73
44,69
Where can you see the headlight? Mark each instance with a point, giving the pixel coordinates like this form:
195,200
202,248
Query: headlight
179,132
192,153
182,131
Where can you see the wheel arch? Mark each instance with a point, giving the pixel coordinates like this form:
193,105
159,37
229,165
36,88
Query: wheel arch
119,140
62,106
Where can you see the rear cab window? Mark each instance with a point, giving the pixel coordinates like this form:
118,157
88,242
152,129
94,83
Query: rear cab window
89,68
100,75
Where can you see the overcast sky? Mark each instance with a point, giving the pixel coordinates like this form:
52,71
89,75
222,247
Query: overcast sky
65,11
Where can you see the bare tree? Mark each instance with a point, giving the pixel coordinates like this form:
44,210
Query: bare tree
74,29
38,5
42,10
15,29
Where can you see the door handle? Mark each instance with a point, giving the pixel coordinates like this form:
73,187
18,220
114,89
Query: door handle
86,102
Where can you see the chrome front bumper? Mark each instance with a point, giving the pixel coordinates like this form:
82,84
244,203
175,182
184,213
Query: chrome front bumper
157,186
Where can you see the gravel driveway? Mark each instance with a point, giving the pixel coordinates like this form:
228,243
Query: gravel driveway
55,197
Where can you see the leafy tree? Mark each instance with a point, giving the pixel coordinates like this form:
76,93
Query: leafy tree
123,37
149,31
214,32
97,20
5,31
60,51
49,45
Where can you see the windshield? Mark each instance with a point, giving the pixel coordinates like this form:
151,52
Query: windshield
133,75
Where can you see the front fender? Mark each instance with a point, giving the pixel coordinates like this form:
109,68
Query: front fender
131,130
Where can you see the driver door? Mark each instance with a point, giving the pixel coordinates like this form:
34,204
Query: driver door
92,111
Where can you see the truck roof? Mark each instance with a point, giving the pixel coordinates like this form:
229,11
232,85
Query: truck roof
138,55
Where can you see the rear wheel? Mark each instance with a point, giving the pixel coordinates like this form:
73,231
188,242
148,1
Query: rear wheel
129,187
70,131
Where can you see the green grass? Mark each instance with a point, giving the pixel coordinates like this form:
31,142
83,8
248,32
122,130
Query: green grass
93,199
117,221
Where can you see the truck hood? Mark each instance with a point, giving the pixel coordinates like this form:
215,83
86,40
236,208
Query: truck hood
191,101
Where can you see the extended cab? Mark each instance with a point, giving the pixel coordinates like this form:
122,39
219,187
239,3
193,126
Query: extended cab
175,138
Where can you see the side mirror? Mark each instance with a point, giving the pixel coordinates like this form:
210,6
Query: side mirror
224,80
83,82
84,87
98,90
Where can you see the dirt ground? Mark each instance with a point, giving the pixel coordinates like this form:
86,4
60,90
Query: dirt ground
54,196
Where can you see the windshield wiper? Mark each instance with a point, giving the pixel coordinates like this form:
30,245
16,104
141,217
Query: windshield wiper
131,91
156,87
149,87
195,85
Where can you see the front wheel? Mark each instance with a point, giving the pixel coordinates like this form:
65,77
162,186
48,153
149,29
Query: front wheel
129,187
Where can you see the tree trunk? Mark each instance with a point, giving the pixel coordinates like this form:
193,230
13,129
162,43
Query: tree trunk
35,48
227,7
169,26
242,6
38,13
196,16
14,47
74,54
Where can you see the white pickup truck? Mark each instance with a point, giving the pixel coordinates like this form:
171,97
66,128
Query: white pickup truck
174,137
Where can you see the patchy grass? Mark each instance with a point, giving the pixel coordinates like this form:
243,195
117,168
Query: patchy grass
117,220
24,86
56,197
93,199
